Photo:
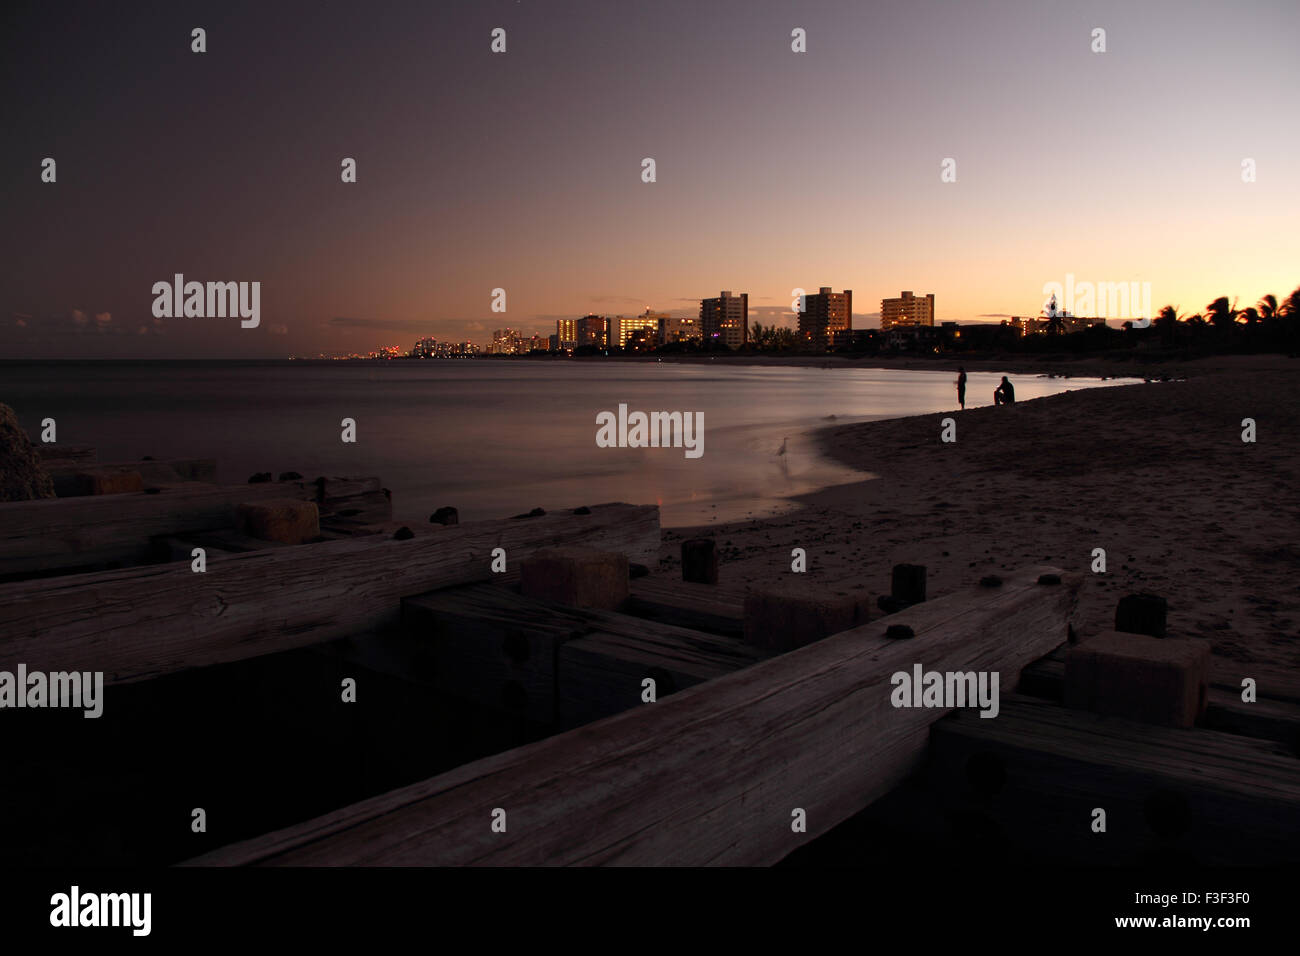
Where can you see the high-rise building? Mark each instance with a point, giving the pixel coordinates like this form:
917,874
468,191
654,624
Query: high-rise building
674,329
425,348
593,330
566,333
725,319
621,327
908,309
504,342
826,319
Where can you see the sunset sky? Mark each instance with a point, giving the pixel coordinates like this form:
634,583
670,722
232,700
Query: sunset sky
522,170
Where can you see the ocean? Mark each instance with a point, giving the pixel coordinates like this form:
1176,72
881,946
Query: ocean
493,438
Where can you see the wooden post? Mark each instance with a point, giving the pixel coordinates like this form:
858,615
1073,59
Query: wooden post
700,561
907,583
1141,614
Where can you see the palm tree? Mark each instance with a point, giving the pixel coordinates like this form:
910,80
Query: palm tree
1291,307
1221,314
1167,324
1267,307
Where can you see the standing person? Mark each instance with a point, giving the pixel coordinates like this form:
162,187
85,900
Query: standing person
961,386
1004,394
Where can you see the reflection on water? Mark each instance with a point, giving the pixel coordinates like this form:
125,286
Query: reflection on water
492,438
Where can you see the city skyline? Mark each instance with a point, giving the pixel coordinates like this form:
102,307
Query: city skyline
478,171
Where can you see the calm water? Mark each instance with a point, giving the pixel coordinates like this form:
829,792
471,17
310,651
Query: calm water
491,438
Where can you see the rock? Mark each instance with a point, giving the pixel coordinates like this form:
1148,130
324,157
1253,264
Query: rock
535,513
991,581
899,632
21,476
259,478
403,534
584,510
290,476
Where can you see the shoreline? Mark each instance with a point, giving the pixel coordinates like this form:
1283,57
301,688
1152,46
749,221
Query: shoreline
1155,474
1127,364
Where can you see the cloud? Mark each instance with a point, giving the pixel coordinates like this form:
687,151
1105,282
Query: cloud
615,298
994,315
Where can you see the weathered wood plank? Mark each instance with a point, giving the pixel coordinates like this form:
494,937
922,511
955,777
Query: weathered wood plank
601,674
497,647
1276,719
53,533
55,451
139,622
64,471
717,609
1209,797
72,532
488,644
708,776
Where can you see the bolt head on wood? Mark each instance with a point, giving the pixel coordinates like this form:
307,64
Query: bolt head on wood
445,516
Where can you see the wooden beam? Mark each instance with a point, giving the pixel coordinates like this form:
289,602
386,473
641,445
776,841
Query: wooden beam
1268,718
65,471
140,622
53,451
1036,773
547,661
712,774
715,608
53,533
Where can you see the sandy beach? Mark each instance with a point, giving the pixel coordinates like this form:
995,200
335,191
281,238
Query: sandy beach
1156,474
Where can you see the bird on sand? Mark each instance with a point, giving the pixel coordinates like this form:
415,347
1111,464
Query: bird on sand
782,451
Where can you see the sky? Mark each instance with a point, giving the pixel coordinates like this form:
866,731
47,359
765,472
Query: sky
522,170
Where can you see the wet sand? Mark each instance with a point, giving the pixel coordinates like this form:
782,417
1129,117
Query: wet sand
1156,474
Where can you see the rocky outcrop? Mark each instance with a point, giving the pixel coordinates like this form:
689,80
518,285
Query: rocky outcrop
21,475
